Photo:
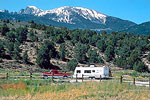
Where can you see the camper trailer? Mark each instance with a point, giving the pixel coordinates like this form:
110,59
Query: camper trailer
91,72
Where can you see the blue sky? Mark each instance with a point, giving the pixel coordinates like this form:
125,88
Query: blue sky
134,10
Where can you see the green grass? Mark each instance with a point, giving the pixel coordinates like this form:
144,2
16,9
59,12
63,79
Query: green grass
131,73
101,90
46,89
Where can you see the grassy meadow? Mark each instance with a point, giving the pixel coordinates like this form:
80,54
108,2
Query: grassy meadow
45,90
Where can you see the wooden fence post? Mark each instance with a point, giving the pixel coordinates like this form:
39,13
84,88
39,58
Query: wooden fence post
121,79
52,77
82,77
7,76
100,78
30,75
149,82
134,81
76,78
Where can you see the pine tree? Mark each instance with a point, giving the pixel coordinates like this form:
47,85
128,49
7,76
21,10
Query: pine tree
46,52
140,67
25,58
11,36
4,29
72,64
80,52
17,50
109,53
101,45
32,36
62,52
2,50
94,57
10,48
21,34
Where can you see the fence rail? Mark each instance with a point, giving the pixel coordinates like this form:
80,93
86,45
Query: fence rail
38,76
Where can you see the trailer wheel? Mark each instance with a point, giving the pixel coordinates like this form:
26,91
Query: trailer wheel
65,76
45,77
92,77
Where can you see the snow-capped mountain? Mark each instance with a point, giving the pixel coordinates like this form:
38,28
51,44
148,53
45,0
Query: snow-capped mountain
66,14
71,17
30,10
4,11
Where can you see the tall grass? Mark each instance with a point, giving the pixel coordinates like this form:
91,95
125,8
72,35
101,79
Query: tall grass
44,90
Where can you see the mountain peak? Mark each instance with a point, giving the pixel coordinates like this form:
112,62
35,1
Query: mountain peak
69,15
4,11
77,17
33,7
30,10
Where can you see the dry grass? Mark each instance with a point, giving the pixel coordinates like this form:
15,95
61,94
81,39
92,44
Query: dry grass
13,86
79,91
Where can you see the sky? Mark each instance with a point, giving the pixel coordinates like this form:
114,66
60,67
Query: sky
137,11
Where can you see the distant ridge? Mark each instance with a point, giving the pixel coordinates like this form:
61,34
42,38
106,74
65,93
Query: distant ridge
143,28
71,17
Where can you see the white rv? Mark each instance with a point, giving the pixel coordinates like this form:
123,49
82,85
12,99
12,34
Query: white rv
91,72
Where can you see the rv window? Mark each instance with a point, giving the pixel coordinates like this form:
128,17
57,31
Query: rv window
87,71
93,71
78,71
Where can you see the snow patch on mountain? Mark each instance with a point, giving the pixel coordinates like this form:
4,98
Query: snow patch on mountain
65,14
30,10
2,11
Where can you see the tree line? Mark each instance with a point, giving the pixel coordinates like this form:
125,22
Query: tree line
125,50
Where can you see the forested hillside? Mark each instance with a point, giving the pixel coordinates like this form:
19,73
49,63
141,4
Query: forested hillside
28,45
143,28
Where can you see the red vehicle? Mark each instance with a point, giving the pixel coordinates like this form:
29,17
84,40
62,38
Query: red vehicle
56,74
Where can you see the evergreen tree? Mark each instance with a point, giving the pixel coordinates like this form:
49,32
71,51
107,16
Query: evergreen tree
101,45
16,52
43,59
148,57
10,48
32,36
94,57
58,38
21,34
93,40
33,25
25,58
140,67
80,52
16,55
4,29
11,36
62,52
72,64
109,53
46,52
134,58
2,50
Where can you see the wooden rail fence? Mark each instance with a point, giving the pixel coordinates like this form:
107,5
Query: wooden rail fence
38,76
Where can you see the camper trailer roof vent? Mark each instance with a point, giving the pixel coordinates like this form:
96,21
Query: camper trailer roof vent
92,66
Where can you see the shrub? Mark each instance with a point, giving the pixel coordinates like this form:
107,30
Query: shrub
4,29
46,52
25,57
148,57
140,67
94,57
62,52
2,50
72,64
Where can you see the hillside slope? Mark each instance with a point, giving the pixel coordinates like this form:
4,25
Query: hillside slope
32,46
143,28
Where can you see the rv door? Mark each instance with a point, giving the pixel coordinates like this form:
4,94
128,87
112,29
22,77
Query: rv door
78,72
